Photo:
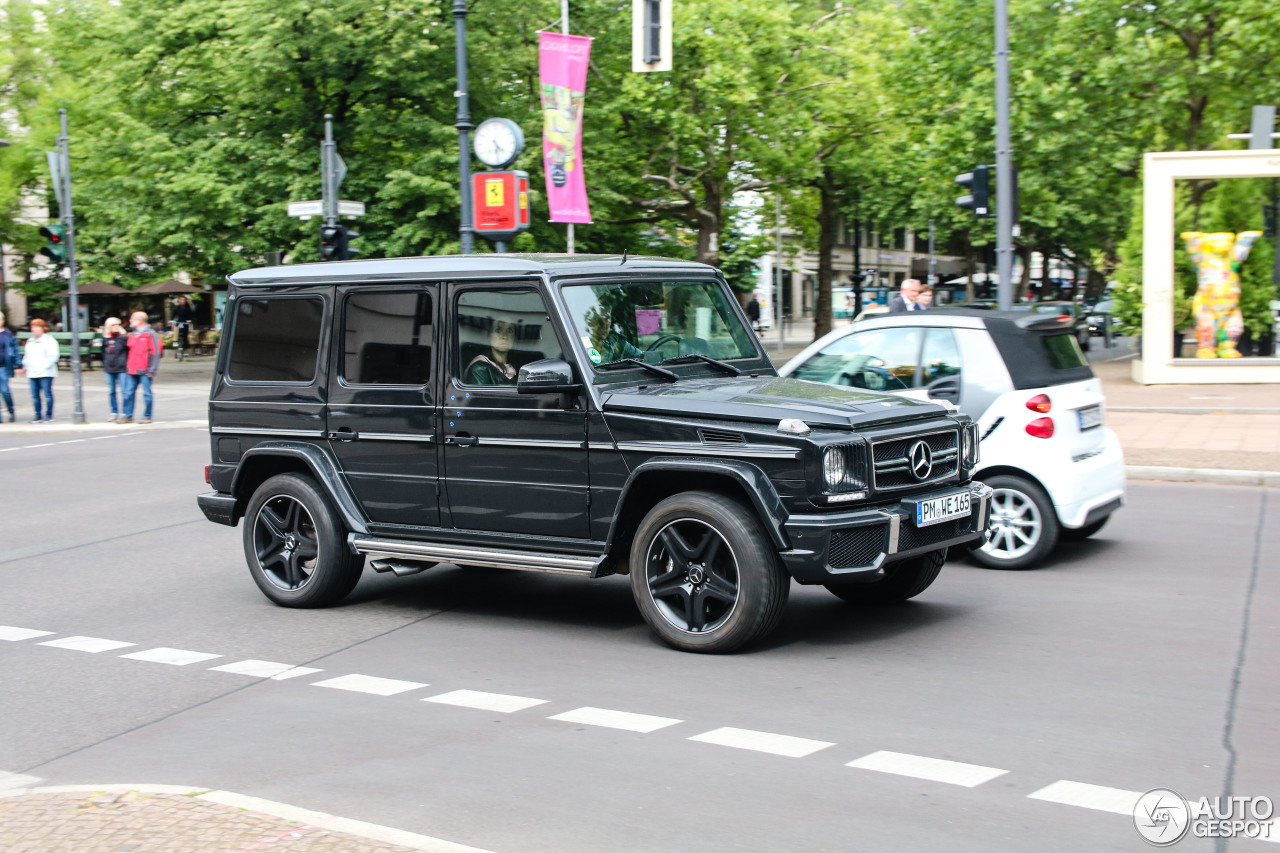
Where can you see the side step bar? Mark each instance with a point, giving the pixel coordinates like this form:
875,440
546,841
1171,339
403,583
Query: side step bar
461,555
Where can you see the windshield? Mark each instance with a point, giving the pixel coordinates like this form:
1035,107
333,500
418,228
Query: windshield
656,321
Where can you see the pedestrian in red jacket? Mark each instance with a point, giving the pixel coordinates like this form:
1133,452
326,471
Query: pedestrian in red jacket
144,357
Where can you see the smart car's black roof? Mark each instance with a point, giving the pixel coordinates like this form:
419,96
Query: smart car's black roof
454,267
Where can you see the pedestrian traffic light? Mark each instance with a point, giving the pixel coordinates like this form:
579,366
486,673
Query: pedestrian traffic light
55,248
978,183
333,243
349,252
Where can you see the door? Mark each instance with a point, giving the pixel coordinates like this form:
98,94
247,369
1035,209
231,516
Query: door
513,463
382,415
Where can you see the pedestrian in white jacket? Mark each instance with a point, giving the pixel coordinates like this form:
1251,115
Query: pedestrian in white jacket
40,364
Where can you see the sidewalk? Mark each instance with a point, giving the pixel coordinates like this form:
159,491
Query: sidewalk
175,819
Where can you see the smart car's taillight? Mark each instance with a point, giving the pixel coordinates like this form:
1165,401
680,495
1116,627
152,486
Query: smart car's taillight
1040,403
1041,428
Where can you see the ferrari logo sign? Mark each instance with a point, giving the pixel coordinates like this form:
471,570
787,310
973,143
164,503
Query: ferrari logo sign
502,208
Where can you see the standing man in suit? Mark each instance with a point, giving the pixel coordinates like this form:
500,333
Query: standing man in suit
906,298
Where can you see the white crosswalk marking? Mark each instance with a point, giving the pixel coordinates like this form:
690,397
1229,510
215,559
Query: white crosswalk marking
174,657
369,684
792,747
8,632
87,644
933,769
480,700
624,720
1086,796
265,669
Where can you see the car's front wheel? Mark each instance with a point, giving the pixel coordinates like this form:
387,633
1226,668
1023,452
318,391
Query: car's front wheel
705,575
901,581
1024,527
295,544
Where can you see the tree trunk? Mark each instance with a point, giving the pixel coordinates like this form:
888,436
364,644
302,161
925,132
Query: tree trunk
828,220
709,221
971,268
1024,280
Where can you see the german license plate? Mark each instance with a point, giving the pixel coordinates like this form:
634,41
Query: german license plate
945,508
1090,417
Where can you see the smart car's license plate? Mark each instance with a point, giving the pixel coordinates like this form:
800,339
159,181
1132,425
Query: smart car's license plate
1090,417
941,509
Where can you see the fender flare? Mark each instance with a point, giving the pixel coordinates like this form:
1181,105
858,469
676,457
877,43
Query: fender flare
321,466
764,497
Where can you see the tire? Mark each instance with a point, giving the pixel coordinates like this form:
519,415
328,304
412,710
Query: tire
1079,534
705,575
296,546
1024,526
902,581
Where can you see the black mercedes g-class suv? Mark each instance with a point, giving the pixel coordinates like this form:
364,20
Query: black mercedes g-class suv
587,415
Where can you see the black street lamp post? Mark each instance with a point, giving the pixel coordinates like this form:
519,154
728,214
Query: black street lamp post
463,124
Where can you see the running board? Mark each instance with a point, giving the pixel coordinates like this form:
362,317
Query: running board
459,555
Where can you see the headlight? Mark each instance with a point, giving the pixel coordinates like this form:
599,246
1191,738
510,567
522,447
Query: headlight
842,469
969,446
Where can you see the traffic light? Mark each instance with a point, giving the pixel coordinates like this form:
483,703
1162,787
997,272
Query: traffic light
1269,220
349,252
55,248
333,243
978,183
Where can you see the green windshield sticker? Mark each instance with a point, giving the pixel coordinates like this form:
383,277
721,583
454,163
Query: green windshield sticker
594,355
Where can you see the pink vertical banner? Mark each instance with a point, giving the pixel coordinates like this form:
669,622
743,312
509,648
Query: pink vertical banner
562,71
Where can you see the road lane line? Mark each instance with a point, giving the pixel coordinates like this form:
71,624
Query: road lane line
369,684
7,449
643,723
792,747
265,669
1097,797
12,781
73,441
87,644
34,446
922,767
173,657
101,437
500,702
8,632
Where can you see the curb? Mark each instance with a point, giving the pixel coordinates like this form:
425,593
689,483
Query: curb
1219,476
360,828
1195,410
103,426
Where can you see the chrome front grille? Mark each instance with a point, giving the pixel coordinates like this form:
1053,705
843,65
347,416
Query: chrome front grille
894,466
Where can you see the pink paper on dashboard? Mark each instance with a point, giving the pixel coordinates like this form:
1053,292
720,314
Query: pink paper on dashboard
648,321
562,69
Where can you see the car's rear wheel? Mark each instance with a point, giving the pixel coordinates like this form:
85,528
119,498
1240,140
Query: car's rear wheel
1078,534
1024,528
295,544
902,580
705,575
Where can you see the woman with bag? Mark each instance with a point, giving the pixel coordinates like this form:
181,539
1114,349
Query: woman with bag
115,361
40,363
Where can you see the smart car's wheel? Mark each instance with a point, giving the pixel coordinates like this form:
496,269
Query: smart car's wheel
295,544
705,575
901,581
1024,527
1077,534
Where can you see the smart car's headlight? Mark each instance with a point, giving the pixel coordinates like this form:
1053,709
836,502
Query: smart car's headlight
843,472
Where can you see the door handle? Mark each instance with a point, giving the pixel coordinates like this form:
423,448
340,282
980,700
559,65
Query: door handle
462,440
344,434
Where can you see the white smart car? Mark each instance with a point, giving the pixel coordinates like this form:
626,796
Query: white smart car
1057,470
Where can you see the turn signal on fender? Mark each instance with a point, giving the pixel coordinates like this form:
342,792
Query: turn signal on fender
1040,428
1040,403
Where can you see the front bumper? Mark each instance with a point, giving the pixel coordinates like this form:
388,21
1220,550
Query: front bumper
854,547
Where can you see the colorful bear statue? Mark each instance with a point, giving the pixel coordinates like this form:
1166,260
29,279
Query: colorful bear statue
1216,306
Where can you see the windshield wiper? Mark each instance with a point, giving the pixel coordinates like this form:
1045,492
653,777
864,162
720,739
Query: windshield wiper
635,362
697,356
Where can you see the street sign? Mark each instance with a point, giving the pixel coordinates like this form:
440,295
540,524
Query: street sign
306,209
350,208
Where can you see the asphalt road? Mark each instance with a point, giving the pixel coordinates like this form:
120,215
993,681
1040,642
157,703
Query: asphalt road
1144,658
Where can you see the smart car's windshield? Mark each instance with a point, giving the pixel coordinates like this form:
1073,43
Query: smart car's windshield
656,321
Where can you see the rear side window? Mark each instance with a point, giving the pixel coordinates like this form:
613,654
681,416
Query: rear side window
1063,352
387,338
276,339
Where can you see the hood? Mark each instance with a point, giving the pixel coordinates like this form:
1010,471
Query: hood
769,399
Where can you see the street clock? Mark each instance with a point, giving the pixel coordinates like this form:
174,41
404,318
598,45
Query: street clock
498,142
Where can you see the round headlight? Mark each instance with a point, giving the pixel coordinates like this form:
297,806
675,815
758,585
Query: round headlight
833,468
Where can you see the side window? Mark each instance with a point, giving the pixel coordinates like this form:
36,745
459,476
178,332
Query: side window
387,338
941,357
500,331
275,339
877,360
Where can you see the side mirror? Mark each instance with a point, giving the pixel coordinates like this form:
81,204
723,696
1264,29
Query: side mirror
548,376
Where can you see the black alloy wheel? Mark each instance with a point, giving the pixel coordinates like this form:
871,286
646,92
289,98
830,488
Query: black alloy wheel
295,544
705,575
